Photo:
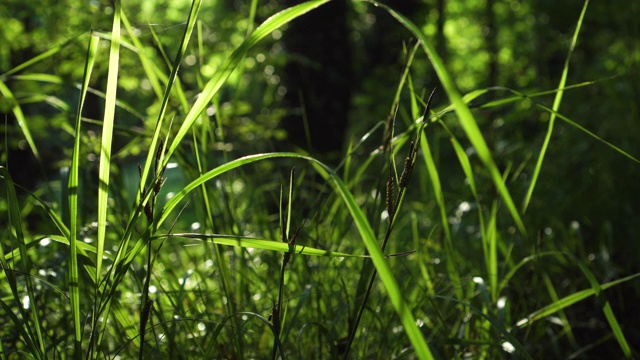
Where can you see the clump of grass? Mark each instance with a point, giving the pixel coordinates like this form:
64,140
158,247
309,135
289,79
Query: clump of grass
381,268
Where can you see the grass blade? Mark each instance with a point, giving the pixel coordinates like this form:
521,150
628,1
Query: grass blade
262,244
74,285
22,122
608,311
432,170
569,300
105,163
107,136
556,106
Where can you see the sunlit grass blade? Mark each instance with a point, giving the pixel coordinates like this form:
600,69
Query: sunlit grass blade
191,21
464,114
105,164
569,300
22,121
556,107
262,244
47,54
146,169
107,136
231,62
74,285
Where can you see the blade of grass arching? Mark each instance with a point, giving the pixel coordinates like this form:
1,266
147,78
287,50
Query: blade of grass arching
606,308
22,121
362,224
16,232
262,244
556,107
569,300
74,285
382,266
47,54
465,116
231,63
588,132
520,96
434,176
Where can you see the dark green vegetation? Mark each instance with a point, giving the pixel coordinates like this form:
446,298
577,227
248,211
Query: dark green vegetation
166,192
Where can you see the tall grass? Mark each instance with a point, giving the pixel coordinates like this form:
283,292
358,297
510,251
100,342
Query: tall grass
187,258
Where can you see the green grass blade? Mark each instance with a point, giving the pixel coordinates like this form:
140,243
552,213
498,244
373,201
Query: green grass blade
74,285
556,106
606,308
54,50
230,64
432,170
566,324
105,166
464,114
569,300
22,122
588,132
107,136
520,96
262,244
491,256
193,14
19,324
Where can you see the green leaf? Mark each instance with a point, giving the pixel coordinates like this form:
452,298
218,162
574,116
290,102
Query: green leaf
263,244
